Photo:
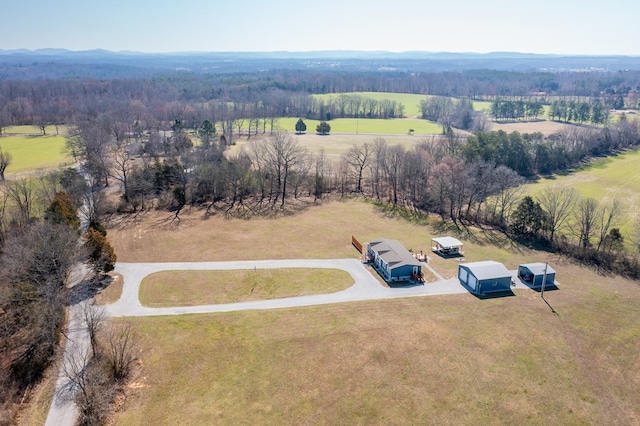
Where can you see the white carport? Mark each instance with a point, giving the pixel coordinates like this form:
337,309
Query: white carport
447,246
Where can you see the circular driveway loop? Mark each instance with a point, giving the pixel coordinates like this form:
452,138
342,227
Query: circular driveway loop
366,286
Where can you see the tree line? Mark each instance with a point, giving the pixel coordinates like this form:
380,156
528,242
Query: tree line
533,154
262,97
595,112
40,244
583,228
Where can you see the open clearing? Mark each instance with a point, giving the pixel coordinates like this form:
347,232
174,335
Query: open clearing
318,232
379,126
410,101
545,127
427,360
337,144
605,179
189,288
34,153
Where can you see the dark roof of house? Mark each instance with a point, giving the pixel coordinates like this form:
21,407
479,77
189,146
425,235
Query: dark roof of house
393,253
487,269
447,242
538,268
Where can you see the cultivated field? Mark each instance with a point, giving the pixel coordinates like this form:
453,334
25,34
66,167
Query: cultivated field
427,360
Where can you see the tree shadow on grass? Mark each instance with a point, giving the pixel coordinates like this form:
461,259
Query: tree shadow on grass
249,209
88,288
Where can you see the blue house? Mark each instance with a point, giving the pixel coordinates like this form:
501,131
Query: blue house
533,274
484,277
392,261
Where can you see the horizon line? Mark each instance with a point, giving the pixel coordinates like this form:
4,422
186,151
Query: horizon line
297,52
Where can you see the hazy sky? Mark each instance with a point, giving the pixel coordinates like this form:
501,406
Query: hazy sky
542,26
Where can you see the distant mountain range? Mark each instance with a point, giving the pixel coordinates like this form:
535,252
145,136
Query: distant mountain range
98,63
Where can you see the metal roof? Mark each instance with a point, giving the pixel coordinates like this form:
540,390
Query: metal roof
447,242
487,269
538,268
393,253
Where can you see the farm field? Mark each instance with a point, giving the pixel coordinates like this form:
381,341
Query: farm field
428,360
605,179
397,126
410,101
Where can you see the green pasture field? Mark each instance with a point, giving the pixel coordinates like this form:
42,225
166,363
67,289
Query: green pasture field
605,179
344,137
482,106
410,101
485,107
378,126
453,359
398,126
189,288
34,153
23,130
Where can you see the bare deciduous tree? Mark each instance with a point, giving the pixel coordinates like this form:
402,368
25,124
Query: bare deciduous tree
20,192
123,163
93,317
558,202
284,155
608,218
586,216
5,161
122,351
358,157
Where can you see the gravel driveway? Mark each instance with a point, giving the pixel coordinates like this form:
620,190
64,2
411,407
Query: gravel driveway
366,286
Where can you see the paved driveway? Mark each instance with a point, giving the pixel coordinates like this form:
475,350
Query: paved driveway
366,286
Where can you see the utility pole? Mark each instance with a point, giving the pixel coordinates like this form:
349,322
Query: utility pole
544,279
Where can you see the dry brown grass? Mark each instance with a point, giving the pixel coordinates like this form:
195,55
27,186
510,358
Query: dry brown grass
189,288
35,410
429,360
545,127
113,292
338,143
322,231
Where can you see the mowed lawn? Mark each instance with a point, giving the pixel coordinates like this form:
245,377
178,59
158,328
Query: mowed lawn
190,288
31,153
426,360
430,360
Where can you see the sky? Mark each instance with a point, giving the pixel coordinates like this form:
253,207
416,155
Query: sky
542,26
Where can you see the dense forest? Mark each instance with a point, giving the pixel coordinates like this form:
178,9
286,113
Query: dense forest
164,139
